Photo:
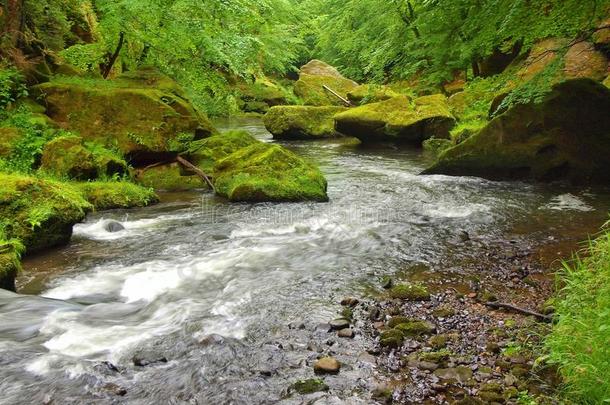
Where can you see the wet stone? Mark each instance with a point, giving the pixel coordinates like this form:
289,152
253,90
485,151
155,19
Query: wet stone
346,333
142,362
327,365
115,389
349,302
113,226
310,386
460,374
410,292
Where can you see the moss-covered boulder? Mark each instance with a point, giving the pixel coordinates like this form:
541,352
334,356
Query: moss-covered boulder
414,327
584,61
302,122
105,195
263,92
169,177
8,138
310,386
410,292
9,266
316,74
370,93
398,119
391,338
564,136
436,146
69,156
140,113
39,213
264,172
205,153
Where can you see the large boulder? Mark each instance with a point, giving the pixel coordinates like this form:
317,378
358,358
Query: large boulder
398,119
565,136
169,177
141,113
264,172
105,195
8,137
39,213
207,152
302,122
370,93
69,156
260,95
316,74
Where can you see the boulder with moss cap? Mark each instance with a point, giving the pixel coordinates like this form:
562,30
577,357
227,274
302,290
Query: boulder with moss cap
312,79
399,119
263,172
302,122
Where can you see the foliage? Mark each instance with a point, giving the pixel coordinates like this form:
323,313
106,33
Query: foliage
380,40
579,342
12,86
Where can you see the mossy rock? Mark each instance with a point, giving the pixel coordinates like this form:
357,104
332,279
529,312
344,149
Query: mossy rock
262,91
302,122
259,107
398,119
537,141
136,114
9,266
436,146
310,386
584,61
69,156
264,172
607,82
410,292
397,320
39,213
414,328
370,93
170,177
392,338
205,153
316,74
104,195
8,137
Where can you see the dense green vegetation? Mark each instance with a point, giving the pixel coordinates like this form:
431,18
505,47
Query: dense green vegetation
579,342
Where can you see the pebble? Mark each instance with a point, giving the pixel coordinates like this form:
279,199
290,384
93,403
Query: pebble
349,302
346,333
327,365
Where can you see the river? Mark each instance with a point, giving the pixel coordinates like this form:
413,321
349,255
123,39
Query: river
225,300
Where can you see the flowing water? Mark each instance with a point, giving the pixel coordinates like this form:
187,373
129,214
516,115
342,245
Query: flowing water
224,299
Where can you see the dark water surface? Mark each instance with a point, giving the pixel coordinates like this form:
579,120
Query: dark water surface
214,294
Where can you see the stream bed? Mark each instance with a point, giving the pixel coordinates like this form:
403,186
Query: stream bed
203,302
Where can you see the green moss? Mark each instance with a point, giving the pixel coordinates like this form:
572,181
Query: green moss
370,93
607,82
206,152
302,122
398,119
397,320
436,146
38,212
264,172
105,195
443,311
435,357
310,386
391,338
10,265
169,178
144,112
438,341
410,292
416,328
314,76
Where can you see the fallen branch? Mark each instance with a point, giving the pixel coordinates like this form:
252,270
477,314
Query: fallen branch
510,307
197,171
334,93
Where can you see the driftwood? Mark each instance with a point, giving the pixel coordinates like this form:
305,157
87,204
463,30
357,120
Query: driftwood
510,307
197,171
334,93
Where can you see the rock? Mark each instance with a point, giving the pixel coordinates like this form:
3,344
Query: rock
264,172
540,56
302,122
106,195
259,107
583,61
316,74
205,153
410,292
392,338
436,146
438,341
310,386
601,37
491,397
398,119
115,389
347,313
69,156
169,177
9,266
113,226
350,302
39,213
262,92
443,311
427,365
346,333
8,137
338,324
383,393
143,113
144,362
386,282
327,365
370,93
460,374
397,320
536,141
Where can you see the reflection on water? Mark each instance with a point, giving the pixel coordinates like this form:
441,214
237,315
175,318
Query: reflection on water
212,288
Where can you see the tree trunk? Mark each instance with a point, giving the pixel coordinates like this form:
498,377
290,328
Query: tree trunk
476,72
13,22
114,56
